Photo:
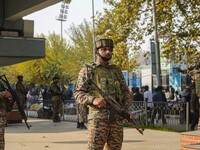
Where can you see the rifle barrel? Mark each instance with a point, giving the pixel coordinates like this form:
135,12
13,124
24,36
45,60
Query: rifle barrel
109,99
15,98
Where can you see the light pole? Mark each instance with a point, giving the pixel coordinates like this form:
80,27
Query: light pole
94,48
157,50
62,16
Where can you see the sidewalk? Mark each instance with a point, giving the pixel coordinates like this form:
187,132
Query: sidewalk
46,135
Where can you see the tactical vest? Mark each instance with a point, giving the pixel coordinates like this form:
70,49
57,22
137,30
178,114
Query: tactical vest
108,80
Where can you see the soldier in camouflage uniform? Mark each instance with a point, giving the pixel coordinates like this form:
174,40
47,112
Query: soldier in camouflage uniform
105,126
21,91
4,101
56,93
81,116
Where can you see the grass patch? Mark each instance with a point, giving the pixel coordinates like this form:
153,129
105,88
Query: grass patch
153,127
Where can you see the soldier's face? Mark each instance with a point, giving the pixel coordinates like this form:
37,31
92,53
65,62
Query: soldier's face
21,79
57,80
106,52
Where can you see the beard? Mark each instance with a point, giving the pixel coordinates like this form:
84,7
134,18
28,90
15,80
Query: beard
106,58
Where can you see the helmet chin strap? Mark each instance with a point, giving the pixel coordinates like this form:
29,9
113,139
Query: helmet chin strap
103,58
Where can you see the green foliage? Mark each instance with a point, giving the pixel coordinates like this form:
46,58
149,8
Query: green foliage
81,51
41,71
61,58
129,22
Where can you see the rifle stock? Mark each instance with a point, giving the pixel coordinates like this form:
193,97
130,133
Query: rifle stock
15,98
113,103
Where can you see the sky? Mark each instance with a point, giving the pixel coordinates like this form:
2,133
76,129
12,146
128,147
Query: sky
45,19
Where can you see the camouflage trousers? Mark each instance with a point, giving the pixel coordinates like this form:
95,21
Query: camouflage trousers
2,129
102,135
57,104
81,113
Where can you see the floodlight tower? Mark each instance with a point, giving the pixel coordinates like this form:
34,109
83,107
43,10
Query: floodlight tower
62,16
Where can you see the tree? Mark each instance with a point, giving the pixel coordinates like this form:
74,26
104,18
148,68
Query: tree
41,71
128,22
81,51
61,58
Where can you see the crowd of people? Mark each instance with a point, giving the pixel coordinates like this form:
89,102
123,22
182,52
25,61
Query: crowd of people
158,99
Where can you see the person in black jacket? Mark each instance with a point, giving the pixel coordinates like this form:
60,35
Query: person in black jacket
138,96
185,98
194,108
159,100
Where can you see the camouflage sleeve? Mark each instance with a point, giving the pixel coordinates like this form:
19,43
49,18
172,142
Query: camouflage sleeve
81,93
56,89
126,101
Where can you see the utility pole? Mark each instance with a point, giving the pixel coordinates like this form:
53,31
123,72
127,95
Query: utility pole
94,38
62,16
157,49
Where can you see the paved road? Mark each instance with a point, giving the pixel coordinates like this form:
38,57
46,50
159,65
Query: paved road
46,135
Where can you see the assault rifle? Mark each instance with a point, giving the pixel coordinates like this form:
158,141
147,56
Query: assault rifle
6,86
116,106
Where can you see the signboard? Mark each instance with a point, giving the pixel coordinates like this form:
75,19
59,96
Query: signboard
175,78
125,73
136,82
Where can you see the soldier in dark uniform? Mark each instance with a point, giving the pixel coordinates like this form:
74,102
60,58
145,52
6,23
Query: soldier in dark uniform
56,94
5,97
21,91
194,108
105,126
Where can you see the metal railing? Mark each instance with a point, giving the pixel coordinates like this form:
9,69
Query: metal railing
171,115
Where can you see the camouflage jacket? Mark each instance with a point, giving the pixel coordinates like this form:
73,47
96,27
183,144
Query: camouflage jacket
55,89
85,95
21,90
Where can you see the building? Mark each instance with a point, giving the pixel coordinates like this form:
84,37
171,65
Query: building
17,41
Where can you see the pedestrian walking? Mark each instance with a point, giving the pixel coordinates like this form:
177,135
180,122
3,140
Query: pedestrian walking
159,100
149,100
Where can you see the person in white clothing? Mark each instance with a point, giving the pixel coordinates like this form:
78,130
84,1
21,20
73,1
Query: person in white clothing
148,98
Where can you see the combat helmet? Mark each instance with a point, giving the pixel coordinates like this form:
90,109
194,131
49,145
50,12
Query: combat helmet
104,43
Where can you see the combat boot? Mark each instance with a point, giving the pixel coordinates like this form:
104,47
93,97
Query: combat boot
58,119
55,120
78,125
82,126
